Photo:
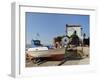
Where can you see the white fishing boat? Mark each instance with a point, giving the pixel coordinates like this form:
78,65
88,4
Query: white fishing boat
37,50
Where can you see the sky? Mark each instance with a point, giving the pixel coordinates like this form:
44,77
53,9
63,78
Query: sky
46,26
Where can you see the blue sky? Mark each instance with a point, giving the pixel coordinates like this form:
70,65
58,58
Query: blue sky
46,26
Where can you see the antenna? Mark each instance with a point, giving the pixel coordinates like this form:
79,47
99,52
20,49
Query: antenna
37,36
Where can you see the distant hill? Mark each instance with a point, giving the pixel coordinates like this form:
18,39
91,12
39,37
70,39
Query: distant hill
28,45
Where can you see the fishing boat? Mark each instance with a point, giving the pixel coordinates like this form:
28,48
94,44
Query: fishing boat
37,49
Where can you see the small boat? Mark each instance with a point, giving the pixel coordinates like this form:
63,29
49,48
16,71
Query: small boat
38,50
